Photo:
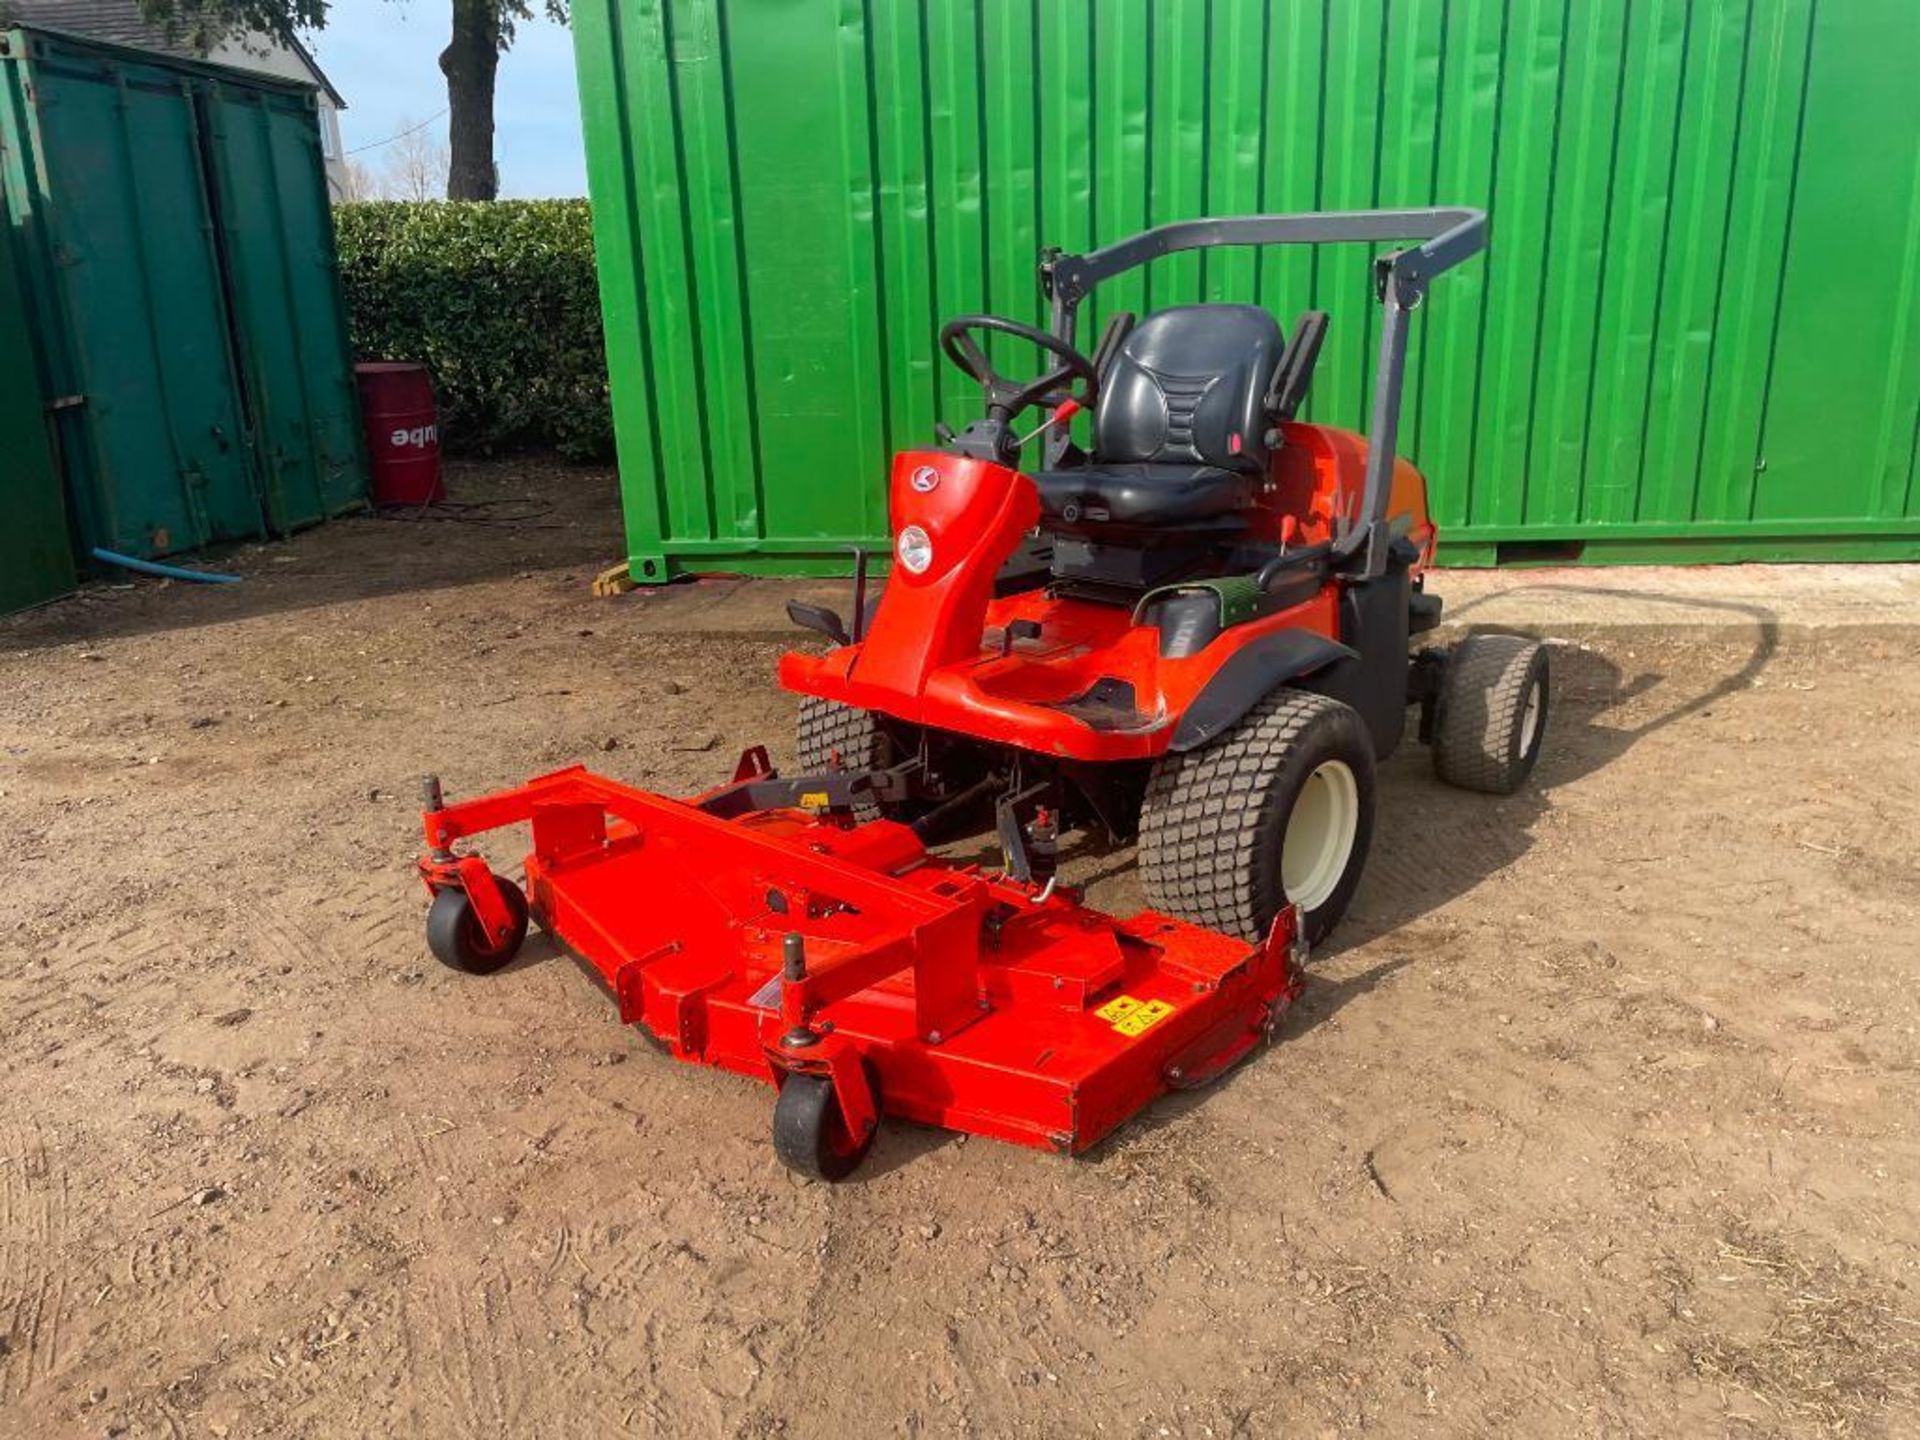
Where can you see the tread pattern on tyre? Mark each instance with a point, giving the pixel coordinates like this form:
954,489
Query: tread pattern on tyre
1481,700
828,728
1200,825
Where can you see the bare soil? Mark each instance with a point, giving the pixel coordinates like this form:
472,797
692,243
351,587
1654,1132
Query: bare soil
1598,1120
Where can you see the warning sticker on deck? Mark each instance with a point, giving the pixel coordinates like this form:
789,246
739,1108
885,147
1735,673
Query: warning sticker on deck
1130,1017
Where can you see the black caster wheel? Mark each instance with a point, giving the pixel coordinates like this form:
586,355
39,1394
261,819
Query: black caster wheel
455,936
809,1133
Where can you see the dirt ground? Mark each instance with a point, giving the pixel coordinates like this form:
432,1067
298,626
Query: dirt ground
1599,1118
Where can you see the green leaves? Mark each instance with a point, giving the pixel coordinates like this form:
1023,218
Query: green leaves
499,300
204,23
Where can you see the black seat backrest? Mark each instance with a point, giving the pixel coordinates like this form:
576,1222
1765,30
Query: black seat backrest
1295,371
1189,388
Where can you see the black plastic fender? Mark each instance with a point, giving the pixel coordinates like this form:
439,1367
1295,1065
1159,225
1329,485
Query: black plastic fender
1252,671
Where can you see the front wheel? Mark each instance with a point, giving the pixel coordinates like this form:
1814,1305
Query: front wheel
831,736
1279,809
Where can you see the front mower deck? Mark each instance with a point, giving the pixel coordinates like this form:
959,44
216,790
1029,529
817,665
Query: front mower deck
779,943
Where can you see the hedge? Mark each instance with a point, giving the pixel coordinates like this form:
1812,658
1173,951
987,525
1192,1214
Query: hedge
500,300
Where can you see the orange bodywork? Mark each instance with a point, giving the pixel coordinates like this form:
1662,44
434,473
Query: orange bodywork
936,653
1318,475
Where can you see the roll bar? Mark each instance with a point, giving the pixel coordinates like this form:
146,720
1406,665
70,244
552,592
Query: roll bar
1448,236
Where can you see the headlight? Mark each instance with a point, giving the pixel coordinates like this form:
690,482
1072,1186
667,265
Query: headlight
914,549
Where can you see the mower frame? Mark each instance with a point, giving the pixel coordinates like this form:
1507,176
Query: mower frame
797,929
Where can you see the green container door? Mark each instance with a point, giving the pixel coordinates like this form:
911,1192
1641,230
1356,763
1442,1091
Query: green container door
1699,319
108,196
1840,435
277,229
173,233
36,561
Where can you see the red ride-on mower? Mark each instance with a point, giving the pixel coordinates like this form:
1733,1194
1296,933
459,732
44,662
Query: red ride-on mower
1195,634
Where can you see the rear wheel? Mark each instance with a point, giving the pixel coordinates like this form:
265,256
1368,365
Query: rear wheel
1491,713
1279,809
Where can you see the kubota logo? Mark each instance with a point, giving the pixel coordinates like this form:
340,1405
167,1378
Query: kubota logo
417,438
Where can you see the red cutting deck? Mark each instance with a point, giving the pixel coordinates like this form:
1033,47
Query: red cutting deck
781,942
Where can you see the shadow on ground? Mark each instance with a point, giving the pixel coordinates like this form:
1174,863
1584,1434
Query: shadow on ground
504,518
1432,843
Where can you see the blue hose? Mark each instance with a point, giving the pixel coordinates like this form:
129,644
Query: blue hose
154,567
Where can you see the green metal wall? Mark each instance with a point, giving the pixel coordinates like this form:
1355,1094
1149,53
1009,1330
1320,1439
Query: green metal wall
171,227
36,563
1697,332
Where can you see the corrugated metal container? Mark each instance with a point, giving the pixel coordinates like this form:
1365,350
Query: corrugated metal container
172,231
1696,323
283,281
36,560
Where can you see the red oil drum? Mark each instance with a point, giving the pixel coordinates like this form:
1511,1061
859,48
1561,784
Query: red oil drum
403,432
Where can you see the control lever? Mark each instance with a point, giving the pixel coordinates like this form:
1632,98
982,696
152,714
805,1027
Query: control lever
1269,572
1062,413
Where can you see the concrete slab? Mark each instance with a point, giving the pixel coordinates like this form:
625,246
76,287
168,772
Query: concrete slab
1807,596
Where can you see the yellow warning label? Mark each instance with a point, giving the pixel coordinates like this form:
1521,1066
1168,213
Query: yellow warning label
813,800
1149,1014
1130,1017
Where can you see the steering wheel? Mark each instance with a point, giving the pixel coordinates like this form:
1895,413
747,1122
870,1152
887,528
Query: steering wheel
1005,398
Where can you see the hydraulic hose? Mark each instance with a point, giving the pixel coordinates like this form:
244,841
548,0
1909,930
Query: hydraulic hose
168,572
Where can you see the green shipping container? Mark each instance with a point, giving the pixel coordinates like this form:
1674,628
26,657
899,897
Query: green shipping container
36,560
172,229
276,223
1696,333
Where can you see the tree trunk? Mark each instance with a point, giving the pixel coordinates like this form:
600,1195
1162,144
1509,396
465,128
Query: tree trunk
469,63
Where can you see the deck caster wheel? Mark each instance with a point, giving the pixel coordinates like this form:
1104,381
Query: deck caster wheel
457,939
809,1133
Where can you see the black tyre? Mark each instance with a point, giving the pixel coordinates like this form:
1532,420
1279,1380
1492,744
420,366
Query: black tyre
836,736
831,733
810,1134
1280,807
457,938
1490,716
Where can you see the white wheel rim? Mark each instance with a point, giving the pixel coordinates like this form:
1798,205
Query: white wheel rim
1530,720
1320,835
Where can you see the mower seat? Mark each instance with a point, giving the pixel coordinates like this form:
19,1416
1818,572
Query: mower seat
1179,433
1146,495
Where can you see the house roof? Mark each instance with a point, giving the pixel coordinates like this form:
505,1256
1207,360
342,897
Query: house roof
120,22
